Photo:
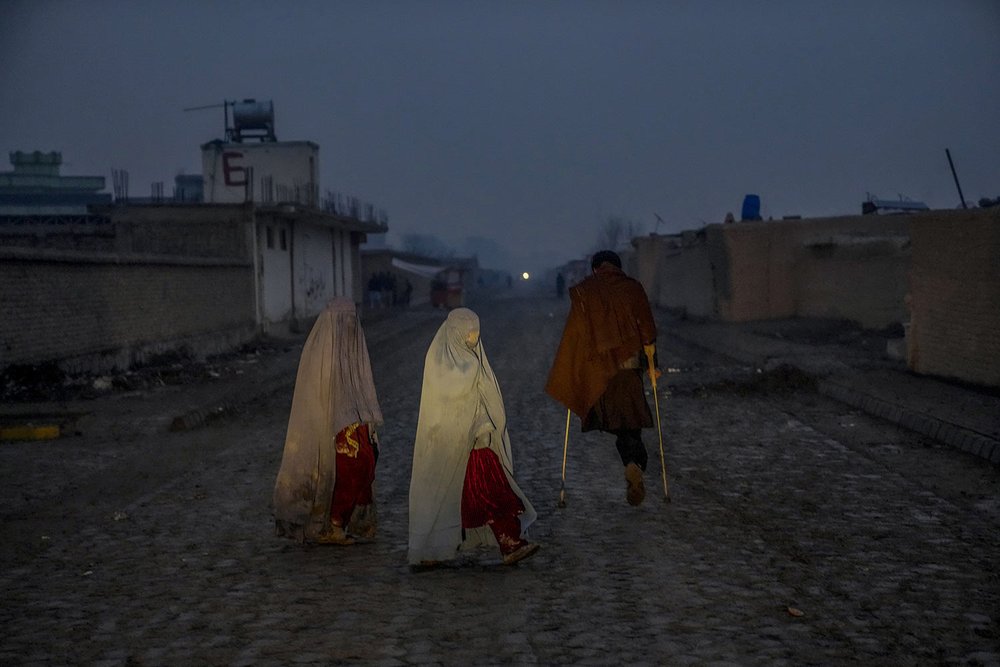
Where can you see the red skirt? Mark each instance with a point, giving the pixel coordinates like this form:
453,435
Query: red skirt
486,495
355,473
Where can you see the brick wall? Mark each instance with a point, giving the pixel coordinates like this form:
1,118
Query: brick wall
955,296
866,269
862,279
100,312
757,259
677,273
178,235
851,268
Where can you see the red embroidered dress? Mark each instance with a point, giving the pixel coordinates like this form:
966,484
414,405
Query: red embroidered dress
487,499
355,472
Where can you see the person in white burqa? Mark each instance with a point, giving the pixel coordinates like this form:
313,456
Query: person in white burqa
324,492
462,489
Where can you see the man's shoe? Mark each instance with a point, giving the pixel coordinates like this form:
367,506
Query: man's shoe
635,491
520,553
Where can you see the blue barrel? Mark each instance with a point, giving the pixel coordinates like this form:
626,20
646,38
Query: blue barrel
751,208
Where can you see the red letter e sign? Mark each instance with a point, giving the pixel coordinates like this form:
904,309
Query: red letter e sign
233,173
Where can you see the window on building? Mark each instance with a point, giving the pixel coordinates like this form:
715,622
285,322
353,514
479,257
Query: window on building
270,237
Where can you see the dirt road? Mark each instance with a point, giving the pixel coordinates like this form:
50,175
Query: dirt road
800,532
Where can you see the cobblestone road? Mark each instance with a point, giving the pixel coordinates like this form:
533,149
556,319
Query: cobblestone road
800,532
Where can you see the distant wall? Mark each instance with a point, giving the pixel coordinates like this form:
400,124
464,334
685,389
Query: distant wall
849,268
857,278
106,292
94,313
677,273
184,231
955,296
866,269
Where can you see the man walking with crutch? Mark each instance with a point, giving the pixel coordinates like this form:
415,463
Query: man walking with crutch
597,371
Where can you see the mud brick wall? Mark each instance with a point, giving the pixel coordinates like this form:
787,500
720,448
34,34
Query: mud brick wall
96,313
955,296
851,267
676,273
753,270
863,279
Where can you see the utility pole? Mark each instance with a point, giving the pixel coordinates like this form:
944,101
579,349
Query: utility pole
955,176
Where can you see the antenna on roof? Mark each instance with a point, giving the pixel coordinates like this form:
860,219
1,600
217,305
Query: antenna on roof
225,111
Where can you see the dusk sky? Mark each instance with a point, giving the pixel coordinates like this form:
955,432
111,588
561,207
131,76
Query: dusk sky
528,124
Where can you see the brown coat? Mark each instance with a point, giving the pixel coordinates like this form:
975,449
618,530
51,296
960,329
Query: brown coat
608,323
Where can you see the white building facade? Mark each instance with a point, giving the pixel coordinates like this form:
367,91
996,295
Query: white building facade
303,256
265,172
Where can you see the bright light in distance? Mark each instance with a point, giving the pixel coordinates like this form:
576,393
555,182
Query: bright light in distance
525,275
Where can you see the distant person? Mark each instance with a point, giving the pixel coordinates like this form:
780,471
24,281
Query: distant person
597,372
560,285
462,489
386,288
324,493
374,291
407,293
390,282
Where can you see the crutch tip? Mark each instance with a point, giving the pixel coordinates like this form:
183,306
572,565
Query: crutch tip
561,504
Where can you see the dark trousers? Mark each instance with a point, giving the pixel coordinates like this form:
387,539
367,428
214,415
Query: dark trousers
630,447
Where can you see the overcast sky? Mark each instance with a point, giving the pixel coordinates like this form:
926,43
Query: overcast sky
530,123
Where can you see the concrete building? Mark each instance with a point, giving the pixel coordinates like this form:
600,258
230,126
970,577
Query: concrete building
265,172
92,284
36,188
138,280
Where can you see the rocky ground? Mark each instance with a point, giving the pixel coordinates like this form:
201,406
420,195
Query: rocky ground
800,531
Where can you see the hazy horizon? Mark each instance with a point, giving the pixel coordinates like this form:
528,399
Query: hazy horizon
524,126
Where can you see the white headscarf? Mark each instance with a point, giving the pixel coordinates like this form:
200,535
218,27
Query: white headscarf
333,389
460,407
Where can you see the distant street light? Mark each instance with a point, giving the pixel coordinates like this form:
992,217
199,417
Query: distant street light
525,275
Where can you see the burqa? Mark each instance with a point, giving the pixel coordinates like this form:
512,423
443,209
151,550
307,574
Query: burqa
462,488
333,391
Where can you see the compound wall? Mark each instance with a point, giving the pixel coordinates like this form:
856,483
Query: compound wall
96,313
954,297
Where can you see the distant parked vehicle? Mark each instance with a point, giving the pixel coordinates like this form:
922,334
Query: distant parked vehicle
446,289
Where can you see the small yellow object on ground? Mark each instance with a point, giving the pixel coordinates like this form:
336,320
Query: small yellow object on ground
47,432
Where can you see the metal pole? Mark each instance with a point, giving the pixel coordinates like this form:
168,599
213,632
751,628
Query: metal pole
562,488
659,429
955,176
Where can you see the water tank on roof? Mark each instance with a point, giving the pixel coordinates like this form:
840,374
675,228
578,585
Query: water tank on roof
751,208
253,120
